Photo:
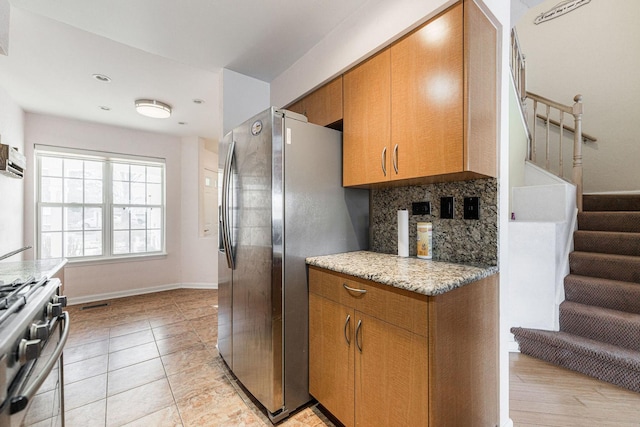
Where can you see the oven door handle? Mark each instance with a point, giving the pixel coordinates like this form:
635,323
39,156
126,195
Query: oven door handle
20,402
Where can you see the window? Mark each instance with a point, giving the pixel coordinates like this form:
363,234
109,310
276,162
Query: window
98,205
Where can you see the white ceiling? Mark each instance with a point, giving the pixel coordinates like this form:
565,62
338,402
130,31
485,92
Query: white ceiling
168,50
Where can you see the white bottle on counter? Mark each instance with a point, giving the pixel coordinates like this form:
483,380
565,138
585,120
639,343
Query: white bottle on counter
425,240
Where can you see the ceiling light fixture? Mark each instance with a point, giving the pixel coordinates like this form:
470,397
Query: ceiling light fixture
102,78
153,108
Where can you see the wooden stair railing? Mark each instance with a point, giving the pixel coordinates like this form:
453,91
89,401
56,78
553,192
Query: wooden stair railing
551,108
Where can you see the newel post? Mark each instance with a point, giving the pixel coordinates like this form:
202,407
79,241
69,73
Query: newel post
577,149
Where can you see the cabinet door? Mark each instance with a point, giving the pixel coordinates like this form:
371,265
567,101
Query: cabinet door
324,106
427,98
331,357
297,107
391,375
367,111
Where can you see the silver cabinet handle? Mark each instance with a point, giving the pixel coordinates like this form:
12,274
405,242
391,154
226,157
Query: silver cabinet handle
384,161
357,332
346,323
360,291
395,158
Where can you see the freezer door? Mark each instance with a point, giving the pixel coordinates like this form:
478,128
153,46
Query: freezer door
257,318
225,301
321,217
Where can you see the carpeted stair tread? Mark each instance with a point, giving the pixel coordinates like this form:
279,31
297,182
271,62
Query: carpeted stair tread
610,242
600,317
607,266
628,222
613,294
606,362
602,324
611,202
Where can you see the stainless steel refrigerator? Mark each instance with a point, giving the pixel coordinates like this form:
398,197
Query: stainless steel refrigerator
282,200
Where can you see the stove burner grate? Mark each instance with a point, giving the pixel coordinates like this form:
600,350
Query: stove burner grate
14,296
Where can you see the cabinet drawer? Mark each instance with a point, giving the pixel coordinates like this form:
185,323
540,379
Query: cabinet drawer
405,309
330,285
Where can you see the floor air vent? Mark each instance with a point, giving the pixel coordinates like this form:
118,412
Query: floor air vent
88,307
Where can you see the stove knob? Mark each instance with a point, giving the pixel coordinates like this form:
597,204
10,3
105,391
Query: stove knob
54,309
62,299
28,350
39,331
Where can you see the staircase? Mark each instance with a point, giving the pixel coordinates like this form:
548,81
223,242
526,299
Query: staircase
600,317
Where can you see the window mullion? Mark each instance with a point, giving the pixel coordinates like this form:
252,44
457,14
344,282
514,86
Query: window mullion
107,192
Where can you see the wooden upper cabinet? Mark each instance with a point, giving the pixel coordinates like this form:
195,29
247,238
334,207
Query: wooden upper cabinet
427,99
438,119
322,106
297,107
481,86
366,127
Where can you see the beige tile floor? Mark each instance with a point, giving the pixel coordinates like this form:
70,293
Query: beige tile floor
151,360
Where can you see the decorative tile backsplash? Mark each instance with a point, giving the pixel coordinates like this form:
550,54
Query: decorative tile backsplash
455,240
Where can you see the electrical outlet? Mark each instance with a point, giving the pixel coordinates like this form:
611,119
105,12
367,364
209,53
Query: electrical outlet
421,208
471,208
446,207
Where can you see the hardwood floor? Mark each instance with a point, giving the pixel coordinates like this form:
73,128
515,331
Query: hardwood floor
542,394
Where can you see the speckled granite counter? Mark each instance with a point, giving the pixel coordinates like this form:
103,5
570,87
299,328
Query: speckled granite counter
413,274
10,271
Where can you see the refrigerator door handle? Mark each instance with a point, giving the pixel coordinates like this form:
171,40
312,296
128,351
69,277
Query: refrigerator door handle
226,182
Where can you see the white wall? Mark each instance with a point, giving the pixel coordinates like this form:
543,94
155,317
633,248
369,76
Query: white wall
199,255
88,281
592,51
5,12
540,240
532,292
242,98
518,141
11,189
374,26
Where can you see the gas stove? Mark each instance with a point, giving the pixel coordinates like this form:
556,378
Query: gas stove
33,330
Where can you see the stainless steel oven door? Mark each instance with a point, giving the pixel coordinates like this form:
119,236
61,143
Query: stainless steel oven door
37,397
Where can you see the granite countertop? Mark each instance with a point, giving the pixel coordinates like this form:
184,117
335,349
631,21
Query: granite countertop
423,276
10,271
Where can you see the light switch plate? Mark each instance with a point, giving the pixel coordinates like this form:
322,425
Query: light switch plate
446,207
421,208
471,208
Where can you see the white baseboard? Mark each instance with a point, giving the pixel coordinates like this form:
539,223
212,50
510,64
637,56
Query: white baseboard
199,285
140,291
604,193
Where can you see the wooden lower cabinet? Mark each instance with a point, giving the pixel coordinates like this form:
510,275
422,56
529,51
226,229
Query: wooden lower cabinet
364,370
331,367
391,375
380,356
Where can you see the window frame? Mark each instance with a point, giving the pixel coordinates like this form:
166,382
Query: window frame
108,159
